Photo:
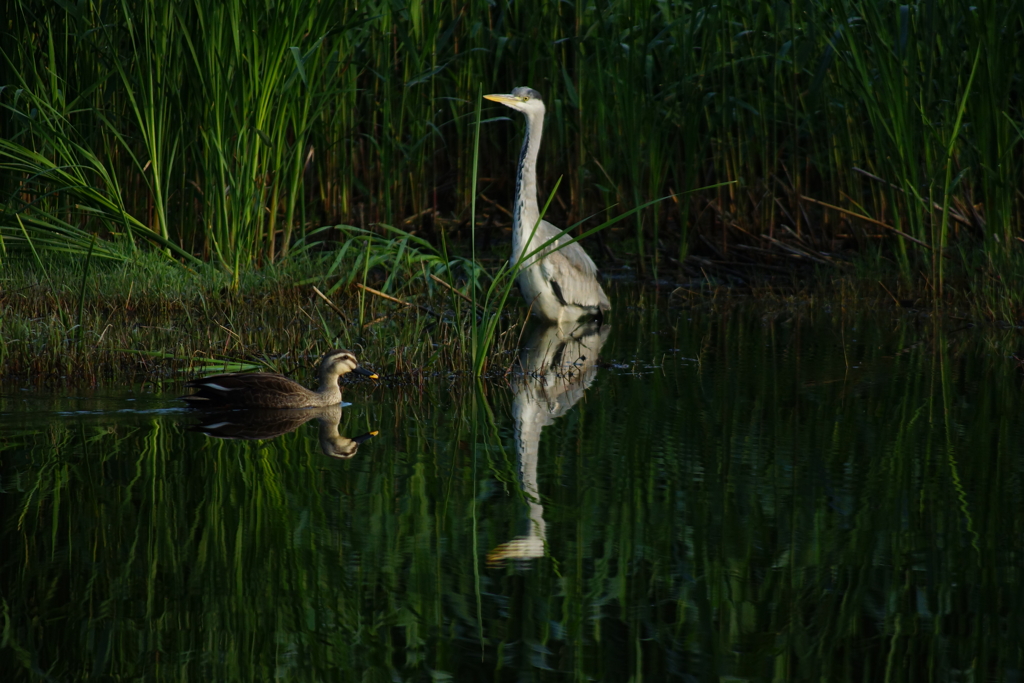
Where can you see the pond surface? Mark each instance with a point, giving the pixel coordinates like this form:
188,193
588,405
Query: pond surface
688,494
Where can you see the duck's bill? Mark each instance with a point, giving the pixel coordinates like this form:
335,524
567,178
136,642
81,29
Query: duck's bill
364,437
365,373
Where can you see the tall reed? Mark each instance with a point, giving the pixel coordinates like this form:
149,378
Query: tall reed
229,131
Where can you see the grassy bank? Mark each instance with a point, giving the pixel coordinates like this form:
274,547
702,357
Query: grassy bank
145,319
227,133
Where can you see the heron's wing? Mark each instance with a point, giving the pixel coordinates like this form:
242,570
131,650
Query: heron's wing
573,273
572,251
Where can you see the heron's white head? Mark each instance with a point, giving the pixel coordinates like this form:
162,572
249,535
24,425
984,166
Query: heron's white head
526,100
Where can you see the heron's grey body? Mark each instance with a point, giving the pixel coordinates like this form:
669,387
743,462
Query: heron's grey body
560,282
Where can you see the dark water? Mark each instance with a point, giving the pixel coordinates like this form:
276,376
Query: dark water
807,494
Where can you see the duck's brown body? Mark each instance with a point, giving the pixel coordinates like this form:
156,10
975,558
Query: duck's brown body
270,390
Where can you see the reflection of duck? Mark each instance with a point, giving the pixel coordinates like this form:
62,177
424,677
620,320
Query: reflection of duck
270,390
268,424
559,363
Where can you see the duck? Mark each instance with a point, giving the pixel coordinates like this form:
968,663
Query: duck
269,390
560,282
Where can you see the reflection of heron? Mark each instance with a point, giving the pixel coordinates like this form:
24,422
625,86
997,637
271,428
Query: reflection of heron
560,282
559,364
268,424
270,390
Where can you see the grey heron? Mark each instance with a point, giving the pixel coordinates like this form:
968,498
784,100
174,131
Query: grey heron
560,282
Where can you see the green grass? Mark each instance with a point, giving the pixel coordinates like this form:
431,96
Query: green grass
139,317
229,133
144,318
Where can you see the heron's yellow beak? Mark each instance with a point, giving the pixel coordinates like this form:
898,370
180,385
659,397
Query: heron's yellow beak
504,99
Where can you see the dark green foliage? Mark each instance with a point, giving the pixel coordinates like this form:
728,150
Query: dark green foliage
229,130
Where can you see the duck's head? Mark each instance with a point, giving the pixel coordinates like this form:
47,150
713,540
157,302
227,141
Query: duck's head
341,362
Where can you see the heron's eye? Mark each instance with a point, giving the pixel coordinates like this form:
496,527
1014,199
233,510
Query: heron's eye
526,98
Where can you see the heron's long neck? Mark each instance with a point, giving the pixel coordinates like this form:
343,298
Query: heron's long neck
529,420
526,212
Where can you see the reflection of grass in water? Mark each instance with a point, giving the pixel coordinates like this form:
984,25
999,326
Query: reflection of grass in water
784,510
